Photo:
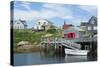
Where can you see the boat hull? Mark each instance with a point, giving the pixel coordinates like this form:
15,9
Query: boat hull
76,52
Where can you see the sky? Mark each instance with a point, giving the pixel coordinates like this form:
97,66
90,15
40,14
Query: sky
56,13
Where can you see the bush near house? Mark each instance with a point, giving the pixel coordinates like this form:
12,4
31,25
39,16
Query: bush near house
51,31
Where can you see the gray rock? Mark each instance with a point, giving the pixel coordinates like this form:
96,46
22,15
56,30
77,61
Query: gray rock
23,43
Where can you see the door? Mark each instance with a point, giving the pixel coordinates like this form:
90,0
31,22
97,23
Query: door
71,35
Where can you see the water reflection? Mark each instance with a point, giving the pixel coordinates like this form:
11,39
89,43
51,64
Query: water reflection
70,58
46,57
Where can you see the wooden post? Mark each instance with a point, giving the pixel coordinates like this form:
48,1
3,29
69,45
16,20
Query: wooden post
55,45
47,45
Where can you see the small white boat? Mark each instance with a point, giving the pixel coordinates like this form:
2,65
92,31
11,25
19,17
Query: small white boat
76,52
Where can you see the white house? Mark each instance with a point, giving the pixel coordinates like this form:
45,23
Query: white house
42,24
19,24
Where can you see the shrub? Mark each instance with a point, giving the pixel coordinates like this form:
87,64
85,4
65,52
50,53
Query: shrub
51,31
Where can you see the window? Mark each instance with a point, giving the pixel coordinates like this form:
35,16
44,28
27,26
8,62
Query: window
17,23
89,28
92,22
37,27
39,23
95,28
44,23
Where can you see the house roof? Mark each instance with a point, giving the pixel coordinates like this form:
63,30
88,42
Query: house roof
93,18
45,20
22,21
66,26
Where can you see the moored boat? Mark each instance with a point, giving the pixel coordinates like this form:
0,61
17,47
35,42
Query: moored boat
76,52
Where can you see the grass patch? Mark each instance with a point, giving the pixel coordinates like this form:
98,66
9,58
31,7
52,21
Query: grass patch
30,36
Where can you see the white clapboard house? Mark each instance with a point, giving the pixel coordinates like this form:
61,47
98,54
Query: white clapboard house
19,24
42,25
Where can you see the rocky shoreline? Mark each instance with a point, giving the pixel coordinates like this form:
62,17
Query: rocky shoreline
27,48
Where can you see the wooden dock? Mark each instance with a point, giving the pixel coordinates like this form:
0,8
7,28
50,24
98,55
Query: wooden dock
69,43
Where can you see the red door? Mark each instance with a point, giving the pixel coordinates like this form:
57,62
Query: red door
71,35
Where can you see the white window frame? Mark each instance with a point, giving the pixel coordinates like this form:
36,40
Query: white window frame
89,28
94,28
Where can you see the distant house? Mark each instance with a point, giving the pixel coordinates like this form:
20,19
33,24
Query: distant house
66,26
71,32
19,24
91,25
42,25
83,25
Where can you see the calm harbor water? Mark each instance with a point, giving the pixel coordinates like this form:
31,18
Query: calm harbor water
36,58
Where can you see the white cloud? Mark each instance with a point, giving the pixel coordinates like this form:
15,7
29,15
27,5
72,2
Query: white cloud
89,9
26,5
27,15
60,9
67,17
77,21
30,15
50,11
47,12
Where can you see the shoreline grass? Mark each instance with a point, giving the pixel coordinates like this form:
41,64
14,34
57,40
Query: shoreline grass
34,38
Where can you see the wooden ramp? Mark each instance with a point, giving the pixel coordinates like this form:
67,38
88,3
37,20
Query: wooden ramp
70,47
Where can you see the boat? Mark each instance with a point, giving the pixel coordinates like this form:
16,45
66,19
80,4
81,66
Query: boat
76,52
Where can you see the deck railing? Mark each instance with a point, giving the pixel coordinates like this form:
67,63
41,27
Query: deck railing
70,40
67,42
